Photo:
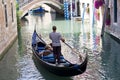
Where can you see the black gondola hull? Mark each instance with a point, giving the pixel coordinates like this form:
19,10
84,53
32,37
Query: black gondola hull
61,70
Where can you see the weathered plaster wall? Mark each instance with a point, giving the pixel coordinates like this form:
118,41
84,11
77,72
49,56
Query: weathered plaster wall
7,33
114,28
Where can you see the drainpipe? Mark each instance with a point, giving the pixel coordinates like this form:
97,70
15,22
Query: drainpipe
104,16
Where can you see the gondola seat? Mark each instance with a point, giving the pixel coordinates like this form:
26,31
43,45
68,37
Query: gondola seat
50,58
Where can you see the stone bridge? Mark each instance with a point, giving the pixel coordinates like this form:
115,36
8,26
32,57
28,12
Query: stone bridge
30,4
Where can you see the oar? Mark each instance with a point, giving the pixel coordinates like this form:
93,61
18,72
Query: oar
74,50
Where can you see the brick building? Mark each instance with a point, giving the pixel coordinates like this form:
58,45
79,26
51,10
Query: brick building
8,24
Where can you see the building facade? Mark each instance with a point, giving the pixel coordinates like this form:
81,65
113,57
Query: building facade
114,9
8,24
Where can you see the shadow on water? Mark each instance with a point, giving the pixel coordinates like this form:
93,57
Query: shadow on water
57,17
111,57
76,40
20,47
47,75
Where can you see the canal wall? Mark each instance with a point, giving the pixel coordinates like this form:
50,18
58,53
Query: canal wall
114,27
8,25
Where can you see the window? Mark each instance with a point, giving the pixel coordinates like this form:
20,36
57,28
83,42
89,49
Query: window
12,12
6,20
115,10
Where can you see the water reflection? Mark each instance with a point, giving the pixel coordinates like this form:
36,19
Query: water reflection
8,69
110,58
20,47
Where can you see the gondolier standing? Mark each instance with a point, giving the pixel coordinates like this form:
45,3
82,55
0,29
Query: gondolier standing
56,37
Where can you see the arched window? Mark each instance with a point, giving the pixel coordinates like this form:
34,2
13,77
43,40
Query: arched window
12,12
6,20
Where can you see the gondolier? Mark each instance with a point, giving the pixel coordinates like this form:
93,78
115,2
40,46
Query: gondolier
56,37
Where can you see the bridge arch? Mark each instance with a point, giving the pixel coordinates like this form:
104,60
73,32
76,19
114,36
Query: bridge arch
35,3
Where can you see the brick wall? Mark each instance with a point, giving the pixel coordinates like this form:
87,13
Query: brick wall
8,24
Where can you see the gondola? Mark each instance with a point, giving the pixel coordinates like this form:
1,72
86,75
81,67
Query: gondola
65,68
38,10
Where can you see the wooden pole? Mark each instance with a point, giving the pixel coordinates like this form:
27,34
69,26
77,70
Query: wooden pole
71,9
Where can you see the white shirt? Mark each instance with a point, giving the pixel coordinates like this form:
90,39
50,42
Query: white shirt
55,37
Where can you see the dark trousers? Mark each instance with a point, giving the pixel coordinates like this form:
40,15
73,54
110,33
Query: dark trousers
57,53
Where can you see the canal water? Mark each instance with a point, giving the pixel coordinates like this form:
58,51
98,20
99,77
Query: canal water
104,56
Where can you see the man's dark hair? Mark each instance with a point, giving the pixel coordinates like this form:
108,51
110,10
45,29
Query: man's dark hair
54,27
